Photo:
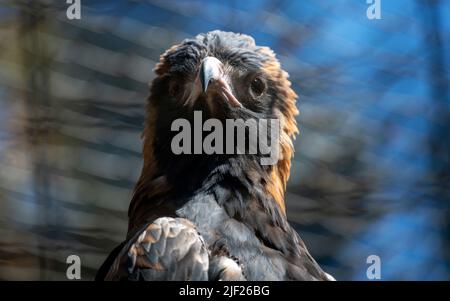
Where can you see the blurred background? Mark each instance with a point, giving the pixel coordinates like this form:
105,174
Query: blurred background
371,170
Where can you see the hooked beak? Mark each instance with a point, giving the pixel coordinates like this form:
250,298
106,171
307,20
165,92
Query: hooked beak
211,77
209,71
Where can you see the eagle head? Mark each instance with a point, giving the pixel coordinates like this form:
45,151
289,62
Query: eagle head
224,75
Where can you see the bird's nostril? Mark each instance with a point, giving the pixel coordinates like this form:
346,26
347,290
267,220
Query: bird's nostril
212,81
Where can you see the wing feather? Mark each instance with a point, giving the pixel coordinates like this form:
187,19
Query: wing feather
167,249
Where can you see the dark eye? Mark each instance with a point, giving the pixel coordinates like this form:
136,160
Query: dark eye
257,87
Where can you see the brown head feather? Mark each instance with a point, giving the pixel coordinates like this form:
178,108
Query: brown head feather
280,174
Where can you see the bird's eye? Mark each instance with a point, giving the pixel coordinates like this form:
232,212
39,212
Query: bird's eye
257,87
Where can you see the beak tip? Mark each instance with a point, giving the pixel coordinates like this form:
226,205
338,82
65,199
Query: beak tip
204,86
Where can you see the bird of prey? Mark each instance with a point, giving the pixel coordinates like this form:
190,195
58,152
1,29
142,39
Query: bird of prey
213,216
